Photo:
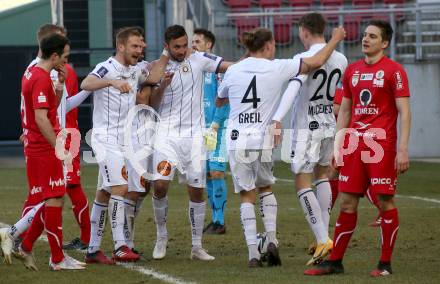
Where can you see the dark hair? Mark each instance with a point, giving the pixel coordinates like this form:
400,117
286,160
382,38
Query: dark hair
314,22
140,30
48,29
208,35
255,39
53,43
173,32
124,33
386,31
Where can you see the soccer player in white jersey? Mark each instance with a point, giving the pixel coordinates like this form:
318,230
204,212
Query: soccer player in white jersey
114,83
253,87
180,139
313,130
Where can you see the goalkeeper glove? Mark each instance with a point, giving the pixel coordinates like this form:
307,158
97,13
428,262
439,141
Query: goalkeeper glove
211,139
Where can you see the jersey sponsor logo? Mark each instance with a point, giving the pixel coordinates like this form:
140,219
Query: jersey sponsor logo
42,98
313,125
380,181
321,108
366,111
102,71
355,79
36,189
59,182
367,77
343,178
234,134
249,118
164,168
399,84
378,83
365,97
362,125
210,56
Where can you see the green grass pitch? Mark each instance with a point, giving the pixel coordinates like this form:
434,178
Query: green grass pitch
416,257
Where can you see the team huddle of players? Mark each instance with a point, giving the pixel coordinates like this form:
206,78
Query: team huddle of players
153,118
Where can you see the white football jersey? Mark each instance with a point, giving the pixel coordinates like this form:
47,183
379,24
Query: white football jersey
313,107
110,106
253,87
62,107
181,110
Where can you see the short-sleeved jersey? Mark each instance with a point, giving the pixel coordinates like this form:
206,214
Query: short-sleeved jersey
37,92
313,108
182,110
111,107
339,93
253,87
66,119
373,89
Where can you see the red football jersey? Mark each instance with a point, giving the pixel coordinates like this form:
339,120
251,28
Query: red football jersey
37,92
373,89
72,89
338,96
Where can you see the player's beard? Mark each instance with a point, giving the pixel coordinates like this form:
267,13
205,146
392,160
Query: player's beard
175,58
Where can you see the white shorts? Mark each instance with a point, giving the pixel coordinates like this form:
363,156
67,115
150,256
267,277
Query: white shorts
112,170
138,179
308,153
187,155
252,173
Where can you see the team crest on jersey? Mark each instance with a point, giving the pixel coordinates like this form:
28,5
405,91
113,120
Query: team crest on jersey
365,97
185,68
355,79
380,74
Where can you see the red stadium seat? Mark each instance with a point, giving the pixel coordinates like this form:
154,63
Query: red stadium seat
282,29
352,26
364,4
300,5
245,24
238,4
332,5
270,3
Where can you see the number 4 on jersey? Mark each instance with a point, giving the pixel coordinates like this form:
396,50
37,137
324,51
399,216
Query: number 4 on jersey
252,87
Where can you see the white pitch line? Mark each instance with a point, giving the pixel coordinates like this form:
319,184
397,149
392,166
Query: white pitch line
141,269
432,200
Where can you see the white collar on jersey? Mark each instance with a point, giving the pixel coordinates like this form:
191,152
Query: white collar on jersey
317,46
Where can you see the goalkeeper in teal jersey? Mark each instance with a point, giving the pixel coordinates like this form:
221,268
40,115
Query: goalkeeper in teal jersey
203,40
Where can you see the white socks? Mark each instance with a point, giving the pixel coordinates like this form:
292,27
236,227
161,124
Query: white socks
117,217
160,208
196,212
24,223
249,223
129,221
324,196
268,211
97,221
312,212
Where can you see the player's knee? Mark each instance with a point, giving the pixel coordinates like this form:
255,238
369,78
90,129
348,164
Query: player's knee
160,189
216,175
386,202
248,196
102,196
349,203
55,202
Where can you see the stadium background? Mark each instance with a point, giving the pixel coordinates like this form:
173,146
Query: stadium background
91,25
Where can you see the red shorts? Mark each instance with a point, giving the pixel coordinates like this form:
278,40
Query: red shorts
356,176
45,178
73,177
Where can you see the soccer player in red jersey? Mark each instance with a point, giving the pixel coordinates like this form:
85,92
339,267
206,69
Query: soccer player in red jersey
44,168
376,93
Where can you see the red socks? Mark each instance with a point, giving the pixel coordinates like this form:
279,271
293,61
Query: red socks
389,228
80,207
373,198
334,185
344,228
34,231
53,221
